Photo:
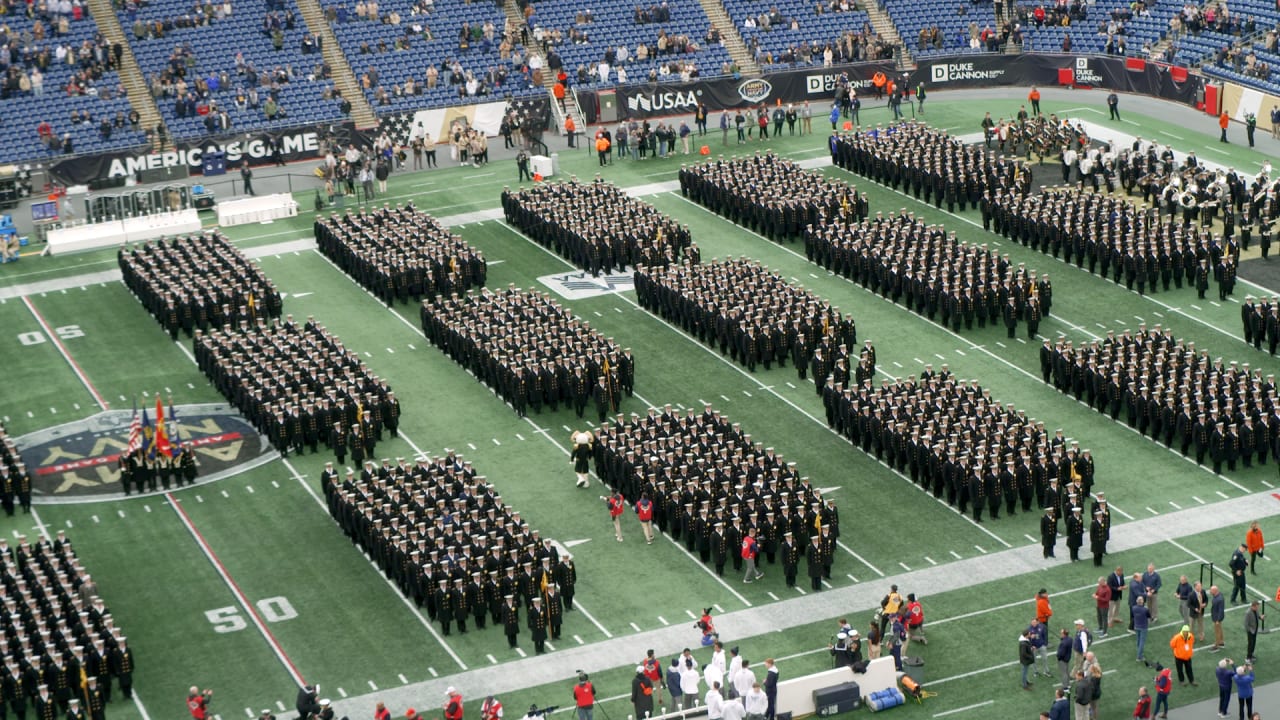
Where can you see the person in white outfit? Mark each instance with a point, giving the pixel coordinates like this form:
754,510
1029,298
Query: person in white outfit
755,702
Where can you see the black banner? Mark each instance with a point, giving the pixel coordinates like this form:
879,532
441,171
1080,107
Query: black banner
297,143
1111,73
813,84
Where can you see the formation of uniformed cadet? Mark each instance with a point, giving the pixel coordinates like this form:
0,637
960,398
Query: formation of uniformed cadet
15,481
951,438
141,472
927,163
1260,318
400,254
754,316
51,614
443,536
531,350
770,195
299,386
197,282
931,272
596,226
1176,394
710,485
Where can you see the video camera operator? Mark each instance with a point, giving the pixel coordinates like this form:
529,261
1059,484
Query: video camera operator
584,696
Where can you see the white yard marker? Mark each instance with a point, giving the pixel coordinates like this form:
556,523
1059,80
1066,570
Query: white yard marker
404,679
984,552
635,627
249,488
1221,494
433,672
1175,505
663,620
521,653
956,555
578,640
1193,497
371,685
492,659
904,566
929,560
1152,510
775,597
342,692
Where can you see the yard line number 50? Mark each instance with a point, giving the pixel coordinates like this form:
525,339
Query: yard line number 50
229,619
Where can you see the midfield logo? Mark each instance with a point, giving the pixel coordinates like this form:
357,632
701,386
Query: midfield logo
580,285
78,461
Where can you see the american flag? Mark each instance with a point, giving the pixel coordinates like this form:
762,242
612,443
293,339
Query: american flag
135,432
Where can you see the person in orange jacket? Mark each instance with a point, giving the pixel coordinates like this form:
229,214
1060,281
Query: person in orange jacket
1253,541
1184,647
1224,120
570,129
1034,97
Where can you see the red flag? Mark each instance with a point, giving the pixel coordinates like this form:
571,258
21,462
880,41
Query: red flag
162,435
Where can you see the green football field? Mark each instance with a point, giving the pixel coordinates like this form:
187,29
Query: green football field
246,586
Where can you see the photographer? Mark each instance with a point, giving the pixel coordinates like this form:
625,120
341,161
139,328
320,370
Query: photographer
198,703
615,503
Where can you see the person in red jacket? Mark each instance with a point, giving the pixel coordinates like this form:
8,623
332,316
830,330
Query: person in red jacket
452,704
584,697
380,712
750,551
615,504
644,512
198,703
1164,686
1142,710
1224,122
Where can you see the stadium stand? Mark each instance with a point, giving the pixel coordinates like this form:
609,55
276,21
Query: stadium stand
704,475
650,41
299,386
798,32
410,54
955,25
1238,46
61,84
1113,27
400,254
246,62
441,533
530,350
57,627
596,226
200,282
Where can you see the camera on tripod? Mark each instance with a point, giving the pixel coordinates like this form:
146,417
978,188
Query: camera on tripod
537,712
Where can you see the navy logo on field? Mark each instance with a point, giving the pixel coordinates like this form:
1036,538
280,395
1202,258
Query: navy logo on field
78,461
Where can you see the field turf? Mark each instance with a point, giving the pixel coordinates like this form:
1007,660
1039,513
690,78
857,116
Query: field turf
246,586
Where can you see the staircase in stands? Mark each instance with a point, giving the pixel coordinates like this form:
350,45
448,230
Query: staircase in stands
131,77
344,78
884,27
531,48
731,39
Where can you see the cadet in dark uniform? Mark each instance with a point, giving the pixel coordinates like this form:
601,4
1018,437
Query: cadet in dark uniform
537,619
511,620
815,560
1075,533
1048,531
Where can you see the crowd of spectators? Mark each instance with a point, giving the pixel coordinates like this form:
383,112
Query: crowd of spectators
201,14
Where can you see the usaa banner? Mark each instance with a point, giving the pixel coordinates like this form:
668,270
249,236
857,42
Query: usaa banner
79,461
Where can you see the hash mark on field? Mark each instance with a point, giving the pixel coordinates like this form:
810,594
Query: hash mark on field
120,513
1028,536
904,566
726,398
567,428
95,520
53,411
663,620
147,508
690,614
411,347
959,352
918,360
190,386
368,355
597,312
519,437
895,364
793,387
744,392
800,590
199,499
550,647
495,441
342,692
1175,505
939,356
718,609
1195,307
393,352
1221,494
956,555
68,523
775,597
76,405
492,659
929,560
1215,304
826,584
815,277
1152,510
248,712
1024,342
578,640
375,687
471,445
1001,344
520,652
404,679
1193,497
280,705
249,488
275,484
30,414
984,552
1264,482
225,494
635,627
1104,327
433,672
